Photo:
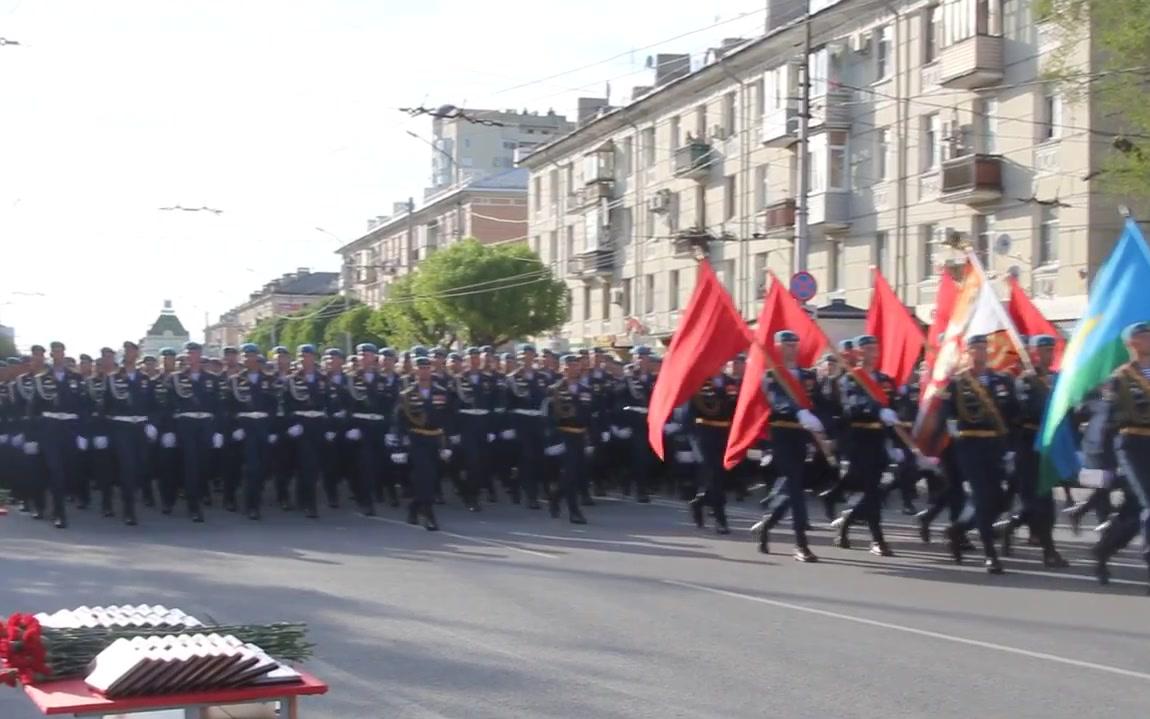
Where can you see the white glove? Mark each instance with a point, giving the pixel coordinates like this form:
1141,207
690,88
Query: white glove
31,448
17,441
588,451
3,439
217,440
604,436
896,455
399,457
455,439
554,450
329,436
685,457
925,462
888,416
239,435
296,430
100,442
168,440
1008,462
151,432
507,434
490,436
622,432
391,440
273,438
809,421
82,444
671,427
445,455
354,434
767,459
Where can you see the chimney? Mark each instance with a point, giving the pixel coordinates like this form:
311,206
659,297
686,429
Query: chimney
639,91
670,67
302,271
589,108
398,208
372,223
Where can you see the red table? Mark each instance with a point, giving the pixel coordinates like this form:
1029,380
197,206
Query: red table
72,696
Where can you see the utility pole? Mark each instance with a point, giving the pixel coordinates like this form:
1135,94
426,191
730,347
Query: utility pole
802,237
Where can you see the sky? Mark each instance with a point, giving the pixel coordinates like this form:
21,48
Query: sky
283,114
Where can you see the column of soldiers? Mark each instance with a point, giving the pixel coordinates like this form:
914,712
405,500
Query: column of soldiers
559,430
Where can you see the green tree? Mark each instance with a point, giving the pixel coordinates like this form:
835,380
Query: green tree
404,320
489,295
268,333
354,322
1117,33
7,347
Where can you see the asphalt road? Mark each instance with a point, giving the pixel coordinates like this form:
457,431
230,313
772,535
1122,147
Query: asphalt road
509,613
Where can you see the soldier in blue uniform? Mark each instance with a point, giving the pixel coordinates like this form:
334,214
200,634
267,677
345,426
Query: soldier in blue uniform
708,423
337,454
371,402
980,407
820,471
866,424
305,405
56,409
634,398
476,394
195,395
505,448
252,398
282,453
1037,511
422,414
129,406
1122,422
567,409
603,390
527,388
790,426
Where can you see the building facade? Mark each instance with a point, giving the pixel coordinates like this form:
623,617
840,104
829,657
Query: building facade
166,331
492,210
478,150
291,292
929,127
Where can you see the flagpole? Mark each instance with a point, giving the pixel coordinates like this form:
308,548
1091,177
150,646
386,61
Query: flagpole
1011,330
821,439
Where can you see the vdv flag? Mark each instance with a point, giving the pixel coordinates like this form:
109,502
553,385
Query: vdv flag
1095,349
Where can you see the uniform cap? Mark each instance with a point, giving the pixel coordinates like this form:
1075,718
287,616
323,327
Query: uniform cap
422,361
785,336
506,356
439,352
363,347
487,349
193,347
37,349
85,357
865,341
570,358
280,350
641,351
526,347
105,351
1132,330
453,356
130,345
473,351
250,349
57,346
149,358
167,352
846,345
229,350
1040,341
975,340
305,349
333,352
388,352
418,351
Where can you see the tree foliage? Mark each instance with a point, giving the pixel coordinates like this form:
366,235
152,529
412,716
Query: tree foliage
405,320
355,322
7,347
307,326
1118,34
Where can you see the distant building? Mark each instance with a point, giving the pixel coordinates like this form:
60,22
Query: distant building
7,340
289,293
166,331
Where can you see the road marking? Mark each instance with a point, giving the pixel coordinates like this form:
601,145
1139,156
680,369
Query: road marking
477,540
911,630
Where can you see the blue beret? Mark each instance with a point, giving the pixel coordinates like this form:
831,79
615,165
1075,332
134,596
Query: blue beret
105,351
865,341
786,336
584,352
388,352
454,356
149,358
37,349
229,350
974,340
526,347
85,357
506,356
641,351
570,358
418,351
193,347
473,351
167,352
250,348
438,352
1039,341
422,361
366,347
280,350
548,352
1134,329
57,346
487,349
333,352
130,345
741,357
305,349
846,345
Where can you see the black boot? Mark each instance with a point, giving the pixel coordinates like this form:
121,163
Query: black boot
805,555
1101,568
923,526
413,512
1051,559
760,530
721,521
993,566
585,499
696,506
429,522
843,539
955,540
576,516
880,548
1006,528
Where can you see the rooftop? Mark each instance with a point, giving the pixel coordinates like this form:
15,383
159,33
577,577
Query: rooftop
167,323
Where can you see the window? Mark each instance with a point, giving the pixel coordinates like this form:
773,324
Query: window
586,302
760,276
569,178
761,188
963,19
760,98
537,193
553,183
878,252
730,197
673,291
1051,116
623,159
776,88
624,224
828,159
931,250
626,298
727,276
986,122
649,147
931,142
882,159
701,122
729,124
834,264
605,300
570,241
931,34
648,294
553,247
1048,235
882,53
674,144
700,207
983,238
673,211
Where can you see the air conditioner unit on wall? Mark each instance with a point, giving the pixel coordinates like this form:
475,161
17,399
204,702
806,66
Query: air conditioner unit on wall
860,42
617,296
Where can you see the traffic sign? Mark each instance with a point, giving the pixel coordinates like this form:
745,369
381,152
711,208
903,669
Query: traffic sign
803,286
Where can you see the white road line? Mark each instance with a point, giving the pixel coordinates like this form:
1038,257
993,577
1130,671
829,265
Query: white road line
919,632
477,540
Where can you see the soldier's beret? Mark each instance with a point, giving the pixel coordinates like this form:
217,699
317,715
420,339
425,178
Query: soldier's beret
193,347
454,356
37,349
167,352
641,351
305,349
865,341
418,351
149,358
229,350
741,357
548,352
570,358
105,351
473,351
250,348
506,356
280,350
487,349
130,345
526,347
846,345
366,347
785,336
333,352
1132,330
439,352
388,352
85,357
57,346
584,352
975,340
1040,341
599,350
422,361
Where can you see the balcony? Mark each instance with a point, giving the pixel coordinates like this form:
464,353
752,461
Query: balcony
694,160
829,211
971,63
971,179
831,111
596,263
780,127
686,243
780,218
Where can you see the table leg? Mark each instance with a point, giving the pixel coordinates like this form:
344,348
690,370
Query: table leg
290,707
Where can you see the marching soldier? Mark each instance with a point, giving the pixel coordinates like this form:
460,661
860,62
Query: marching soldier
282,458
337,454
634,397
231,456
709,415
981,404
167,456
195,395
421,418
527,388
567,410
128,407
1033,390
56,407
372,394
305,406
505,448
476,393
251,399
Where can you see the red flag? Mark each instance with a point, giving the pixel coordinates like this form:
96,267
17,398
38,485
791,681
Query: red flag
1030,321
710,332
943,307
899,335
780,312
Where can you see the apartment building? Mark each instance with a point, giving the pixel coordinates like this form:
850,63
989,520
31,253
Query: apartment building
485,142
490,209
929,126
291,292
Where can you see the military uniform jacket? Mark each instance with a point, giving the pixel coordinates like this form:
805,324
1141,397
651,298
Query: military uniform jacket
784,410
195,394
129,394
478,390
527,389
713,406
305,393
423,413
568,409
338,398
635,389
1033,392
830,399
980,407
860,410
251,392
1122,418
372,395
59,393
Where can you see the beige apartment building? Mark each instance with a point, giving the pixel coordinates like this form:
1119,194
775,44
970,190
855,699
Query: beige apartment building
491,209
929,125
291,292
